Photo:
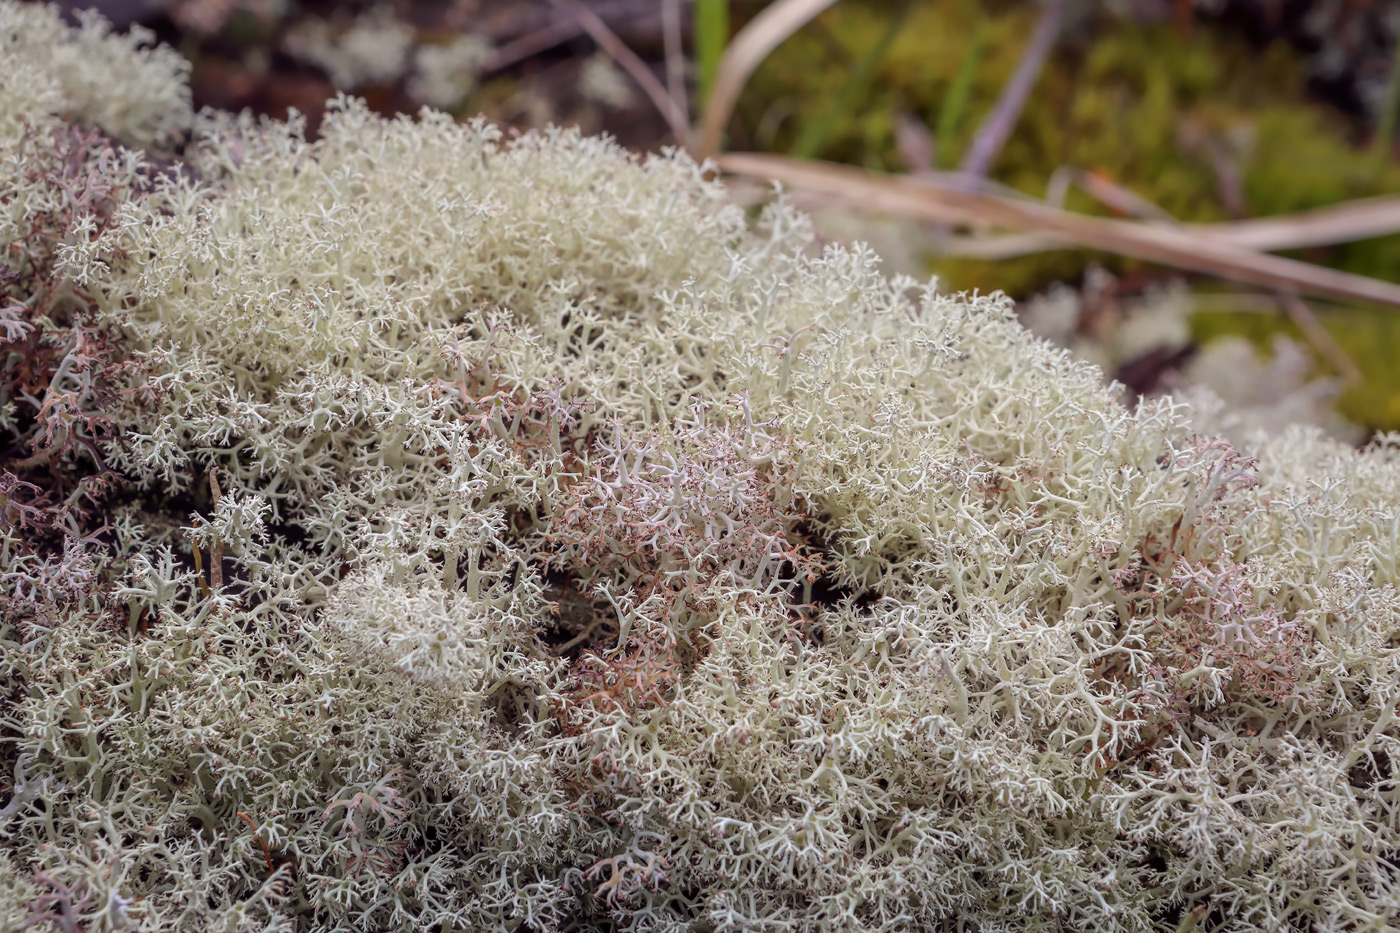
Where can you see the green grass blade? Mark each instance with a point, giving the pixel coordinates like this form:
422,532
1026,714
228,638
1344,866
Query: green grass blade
955,100
818,133
1390,110
711,37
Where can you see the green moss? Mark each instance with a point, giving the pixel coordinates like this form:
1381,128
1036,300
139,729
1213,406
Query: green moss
1368,335
1154,109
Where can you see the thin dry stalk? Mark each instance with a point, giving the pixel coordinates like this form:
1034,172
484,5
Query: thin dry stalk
914,143
1302,315
996,129
518,42
1113,196
204,589
531,44
764,33
1327,226
629,61
1121,199
675,57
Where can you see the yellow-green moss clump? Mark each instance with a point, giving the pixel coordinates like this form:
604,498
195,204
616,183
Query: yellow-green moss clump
1152,108
1369,337
585,559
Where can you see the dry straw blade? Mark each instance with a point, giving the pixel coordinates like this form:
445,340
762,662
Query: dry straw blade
1326,226
1188,249
750,47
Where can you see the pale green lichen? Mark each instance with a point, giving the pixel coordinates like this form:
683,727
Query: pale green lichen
444,74
373,49
597,561
132,89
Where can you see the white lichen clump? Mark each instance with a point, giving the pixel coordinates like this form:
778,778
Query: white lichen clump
373,49
444,74
502,534
135,91
1236,392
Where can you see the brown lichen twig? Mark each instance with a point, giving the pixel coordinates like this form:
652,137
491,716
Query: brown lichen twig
62,906
257,834
675,58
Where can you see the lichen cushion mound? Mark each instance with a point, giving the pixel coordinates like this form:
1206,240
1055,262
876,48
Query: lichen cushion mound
424,529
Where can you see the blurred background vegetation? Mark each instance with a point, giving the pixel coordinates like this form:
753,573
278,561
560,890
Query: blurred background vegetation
1163,112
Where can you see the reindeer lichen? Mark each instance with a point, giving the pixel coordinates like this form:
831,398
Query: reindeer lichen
501,533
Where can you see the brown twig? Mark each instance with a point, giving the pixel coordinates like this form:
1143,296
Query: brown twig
995,130
628,60
1323,226
580,638
216,549
199,571
1293,306
914,143
531,44
1102,189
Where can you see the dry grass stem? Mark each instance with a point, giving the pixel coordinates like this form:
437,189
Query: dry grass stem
750,47
1183,249
994,132
1302,315
629,61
